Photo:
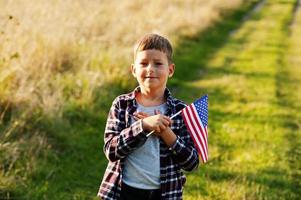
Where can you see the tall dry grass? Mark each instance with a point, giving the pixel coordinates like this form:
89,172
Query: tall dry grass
51,47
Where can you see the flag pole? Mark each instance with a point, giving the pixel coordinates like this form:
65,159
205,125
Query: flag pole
170,118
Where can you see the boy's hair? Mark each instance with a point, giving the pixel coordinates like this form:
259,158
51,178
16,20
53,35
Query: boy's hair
154,41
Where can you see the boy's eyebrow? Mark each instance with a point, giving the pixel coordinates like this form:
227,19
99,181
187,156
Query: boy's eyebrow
142,60
155,59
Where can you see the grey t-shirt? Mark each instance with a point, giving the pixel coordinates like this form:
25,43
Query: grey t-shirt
142,166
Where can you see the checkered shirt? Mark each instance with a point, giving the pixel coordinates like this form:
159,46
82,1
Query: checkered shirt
121,137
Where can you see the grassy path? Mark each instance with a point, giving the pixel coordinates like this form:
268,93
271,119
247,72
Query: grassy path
252,77
291,100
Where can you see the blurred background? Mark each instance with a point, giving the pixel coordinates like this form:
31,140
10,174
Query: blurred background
63,62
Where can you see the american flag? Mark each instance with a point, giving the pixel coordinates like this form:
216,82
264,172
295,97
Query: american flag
196,119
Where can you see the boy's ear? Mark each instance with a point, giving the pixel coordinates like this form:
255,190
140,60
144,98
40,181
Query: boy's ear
171,69
133,70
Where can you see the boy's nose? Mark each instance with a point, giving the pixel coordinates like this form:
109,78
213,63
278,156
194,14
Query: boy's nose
150,67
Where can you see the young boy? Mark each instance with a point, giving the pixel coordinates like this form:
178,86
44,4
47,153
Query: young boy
146,167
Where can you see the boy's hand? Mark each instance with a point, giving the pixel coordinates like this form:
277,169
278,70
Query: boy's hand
140,115
157,122
166,134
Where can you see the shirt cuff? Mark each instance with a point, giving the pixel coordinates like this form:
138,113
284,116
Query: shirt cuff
177,146
137,127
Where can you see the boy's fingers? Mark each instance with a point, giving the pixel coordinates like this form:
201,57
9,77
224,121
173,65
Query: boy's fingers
144,114
162,127
141,115
138,117
167,118
166,122
157,129
163,116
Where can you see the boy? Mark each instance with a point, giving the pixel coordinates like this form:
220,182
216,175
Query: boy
146,167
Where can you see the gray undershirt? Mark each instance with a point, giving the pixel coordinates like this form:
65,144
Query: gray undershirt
142,166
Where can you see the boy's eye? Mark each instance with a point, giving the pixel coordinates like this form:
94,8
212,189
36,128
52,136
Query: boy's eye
159,63
143,63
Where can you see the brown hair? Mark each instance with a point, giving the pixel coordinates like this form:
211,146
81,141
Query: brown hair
154,41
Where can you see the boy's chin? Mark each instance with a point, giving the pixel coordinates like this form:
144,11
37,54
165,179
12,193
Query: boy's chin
153,86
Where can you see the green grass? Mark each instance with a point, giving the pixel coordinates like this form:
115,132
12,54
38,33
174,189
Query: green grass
251,71
254,131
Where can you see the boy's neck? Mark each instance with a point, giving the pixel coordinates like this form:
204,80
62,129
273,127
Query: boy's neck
151,97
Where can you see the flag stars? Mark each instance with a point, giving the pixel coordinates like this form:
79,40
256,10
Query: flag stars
201,106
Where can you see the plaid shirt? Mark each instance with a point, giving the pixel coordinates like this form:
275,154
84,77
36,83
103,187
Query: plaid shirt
121,138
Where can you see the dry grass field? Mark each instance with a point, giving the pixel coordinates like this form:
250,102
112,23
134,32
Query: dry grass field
47,47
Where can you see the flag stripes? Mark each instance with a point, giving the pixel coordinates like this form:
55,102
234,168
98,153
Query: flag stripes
198,131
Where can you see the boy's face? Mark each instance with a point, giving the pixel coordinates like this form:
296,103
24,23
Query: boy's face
151,69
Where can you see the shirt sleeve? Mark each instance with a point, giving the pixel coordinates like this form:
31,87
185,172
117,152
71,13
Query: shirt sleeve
120,140
184,151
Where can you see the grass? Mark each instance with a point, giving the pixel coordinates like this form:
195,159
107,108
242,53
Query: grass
49,57
254,128
59,74
51,134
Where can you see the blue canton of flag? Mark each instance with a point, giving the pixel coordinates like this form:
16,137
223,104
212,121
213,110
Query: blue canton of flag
196,120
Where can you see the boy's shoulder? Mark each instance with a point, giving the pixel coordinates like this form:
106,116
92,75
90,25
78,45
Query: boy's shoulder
178,103
123,98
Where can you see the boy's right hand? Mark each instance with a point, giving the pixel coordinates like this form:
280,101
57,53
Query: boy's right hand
157,122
